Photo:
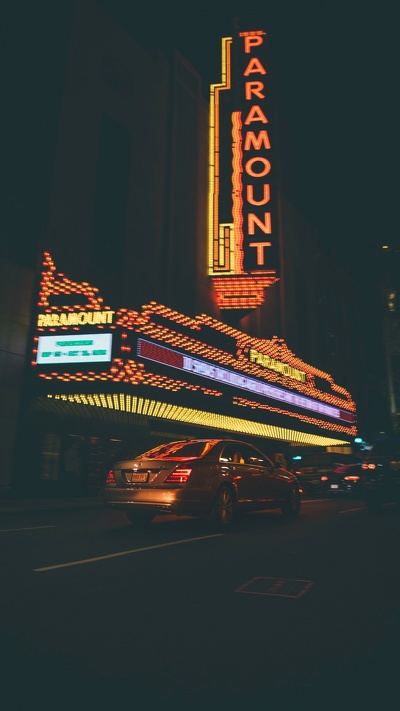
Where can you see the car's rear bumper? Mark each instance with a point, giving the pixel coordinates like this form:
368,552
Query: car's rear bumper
155,501
343,489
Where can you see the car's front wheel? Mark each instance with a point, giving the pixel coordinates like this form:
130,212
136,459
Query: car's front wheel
139,518
292,505
224,507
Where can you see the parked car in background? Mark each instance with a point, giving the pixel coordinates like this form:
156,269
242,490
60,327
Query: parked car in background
313,469
207,477
344,480
381,473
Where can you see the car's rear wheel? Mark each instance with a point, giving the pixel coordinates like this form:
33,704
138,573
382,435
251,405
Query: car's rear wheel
224,507
292,505
139,518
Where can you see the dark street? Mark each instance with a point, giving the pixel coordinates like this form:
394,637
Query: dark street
175,614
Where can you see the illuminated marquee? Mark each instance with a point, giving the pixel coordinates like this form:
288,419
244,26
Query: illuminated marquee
243,233
90,348
159,354
196,370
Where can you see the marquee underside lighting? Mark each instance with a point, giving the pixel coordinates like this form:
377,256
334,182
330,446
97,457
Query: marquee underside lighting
145,407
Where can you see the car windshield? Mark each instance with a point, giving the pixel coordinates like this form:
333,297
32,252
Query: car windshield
178,450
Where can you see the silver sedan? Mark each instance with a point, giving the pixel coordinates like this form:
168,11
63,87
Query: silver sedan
207,477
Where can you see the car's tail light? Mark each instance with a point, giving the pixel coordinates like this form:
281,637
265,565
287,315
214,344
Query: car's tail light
368,466
110,477
324,478
178,476
352,477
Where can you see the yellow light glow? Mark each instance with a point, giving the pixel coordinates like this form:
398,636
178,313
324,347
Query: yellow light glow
75,318
202,418
213,192
241,292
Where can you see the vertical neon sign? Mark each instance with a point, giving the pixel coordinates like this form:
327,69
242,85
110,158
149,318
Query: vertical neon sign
243,244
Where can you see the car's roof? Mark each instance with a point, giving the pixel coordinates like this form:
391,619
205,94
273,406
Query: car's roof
208,439
189,448
212,442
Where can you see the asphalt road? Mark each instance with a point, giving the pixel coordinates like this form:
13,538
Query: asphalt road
275,613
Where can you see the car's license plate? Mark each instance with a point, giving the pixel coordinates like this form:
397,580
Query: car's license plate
334,486
138,477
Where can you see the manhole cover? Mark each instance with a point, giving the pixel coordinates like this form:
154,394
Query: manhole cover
281,587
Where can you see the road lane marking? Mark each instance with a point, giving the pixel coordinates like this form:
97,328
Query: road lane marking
116,555
314,501
30,528
279,587
360,508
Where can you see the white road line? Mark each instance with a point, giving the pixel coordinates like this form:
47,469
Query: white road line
30,528
116,555
313,501
361,508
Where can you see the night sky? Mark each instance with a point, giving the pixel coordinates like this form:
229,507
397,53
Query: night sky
336,67
336,74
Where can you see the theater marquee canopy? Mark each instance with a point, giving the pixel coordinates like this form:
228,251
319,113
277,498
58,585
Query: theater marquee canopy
164,365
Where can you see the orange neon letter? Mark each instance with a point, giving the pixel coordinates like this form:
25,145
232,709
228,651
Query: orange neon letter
254,67
250,42
255,114
260,251
254,87
250,195
256,141
264,226
249,167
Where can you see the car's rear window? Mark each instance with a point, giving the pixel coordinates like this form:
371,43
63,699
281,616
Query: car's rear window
178,450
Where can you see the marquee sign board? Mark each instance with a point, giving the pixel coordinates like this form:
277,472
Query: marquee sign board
88,348
243,229
169,365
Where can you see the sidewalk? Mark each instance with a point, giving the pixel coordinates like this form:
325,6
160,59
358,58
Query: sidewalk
15,505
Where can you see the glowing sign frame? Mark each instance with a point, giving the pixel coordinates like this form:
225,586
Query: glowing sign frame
243,232
87,348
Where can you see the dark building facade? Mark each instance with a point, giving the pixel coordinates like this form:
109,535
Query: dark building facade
105,172
111,176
